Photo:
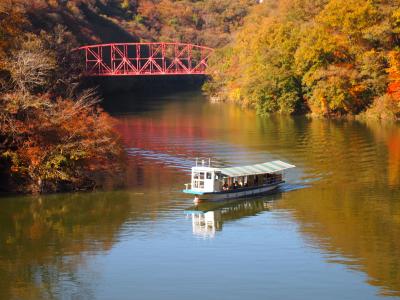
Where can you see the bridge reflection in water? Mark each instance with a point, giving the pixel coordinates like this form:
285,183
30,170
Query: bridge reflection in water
208,218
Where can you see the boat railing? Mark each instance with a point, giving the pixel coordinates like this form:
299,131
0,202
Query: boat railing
189,186
272,180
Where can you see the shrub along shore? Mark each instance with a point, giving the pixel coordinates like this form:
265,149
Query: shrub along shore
53,135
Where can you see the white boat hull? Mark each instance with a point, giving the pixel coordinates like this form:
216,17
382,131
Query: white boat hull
218,196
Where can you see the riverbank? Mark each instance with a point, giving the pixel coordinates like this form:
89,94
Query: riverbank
384,110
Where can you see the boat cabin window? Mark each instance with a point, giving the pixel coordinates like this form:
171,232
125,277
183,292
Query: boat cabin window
208,176
199,175
198,180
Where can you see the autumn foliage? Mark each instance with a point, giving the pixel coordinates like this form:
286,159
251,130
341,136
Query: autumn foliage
53,135
206,22
327,57
394,75
52,145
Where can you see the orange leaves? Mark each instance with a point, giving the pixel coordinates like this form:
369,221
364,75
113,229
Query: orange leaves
394,90
12,19
61,141
394,75
32,154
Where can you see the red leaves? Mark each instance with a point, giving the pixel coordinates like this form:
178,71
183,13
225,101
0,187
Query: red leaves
59,141
394,90
394,75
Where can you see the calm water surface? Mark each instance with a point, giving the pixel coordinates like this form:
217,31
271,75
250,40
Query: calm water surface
331,232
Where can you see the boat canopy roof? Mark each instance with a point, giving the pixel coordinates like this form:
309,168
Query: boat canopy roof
268,167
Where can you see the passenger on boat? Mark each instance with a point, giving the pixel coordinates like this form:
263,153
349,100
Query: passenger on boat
235,185
225,187
255,180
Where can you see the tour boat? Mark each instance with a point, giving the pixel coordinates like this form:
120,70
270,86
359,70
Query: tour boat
215,184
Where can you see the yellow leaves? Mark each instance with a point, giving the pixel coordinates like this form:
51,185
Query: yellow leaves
394,62
396,20
235,94
77,155
12,156
384,108
319,48
125,4
336,90
331,53
356,90
349,16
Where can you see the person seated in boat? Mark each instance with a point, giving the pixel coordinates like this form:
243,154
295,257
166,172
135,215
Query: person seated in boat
225,187
235,185
256,181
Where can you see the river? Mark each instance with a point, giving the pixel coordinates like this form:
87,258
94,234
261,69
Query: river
331,232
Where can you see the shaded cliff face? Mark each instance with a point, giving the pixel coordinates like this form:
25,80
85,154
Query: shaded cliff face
208,22
88,23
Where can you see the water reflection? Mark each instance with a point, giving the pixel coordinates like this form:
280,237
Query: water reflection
208,218
348,214
44,241
351,209
358,227
47,242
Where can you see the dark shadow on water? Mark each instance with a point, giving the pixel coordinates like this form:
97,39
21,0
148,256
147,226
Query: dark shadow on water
125,103
122,95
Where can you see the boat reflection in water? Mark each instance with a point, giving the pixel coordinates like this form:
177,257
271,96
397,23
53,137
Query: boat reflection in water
208,217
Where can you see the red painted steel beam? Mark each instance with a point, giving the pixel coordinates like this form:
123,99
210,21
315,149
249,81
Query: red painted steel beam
141,59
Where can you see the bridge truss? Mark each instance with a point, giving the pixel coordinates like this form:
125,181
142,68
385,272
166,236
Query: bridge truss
137,59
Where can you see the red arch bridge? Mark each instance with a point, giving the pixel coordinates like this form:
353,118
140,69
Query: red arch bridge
137,59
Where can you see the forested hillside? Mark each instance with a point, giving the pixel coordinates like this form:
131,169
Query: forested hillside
205,22
327,57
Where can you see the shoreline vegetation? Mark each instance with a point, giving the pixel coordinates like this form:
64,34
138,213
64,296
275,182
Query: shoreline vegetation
325,58
54,137
329,58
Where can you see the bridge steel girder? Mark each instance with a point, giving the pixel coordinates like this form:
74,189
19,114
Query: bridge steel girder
139,59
